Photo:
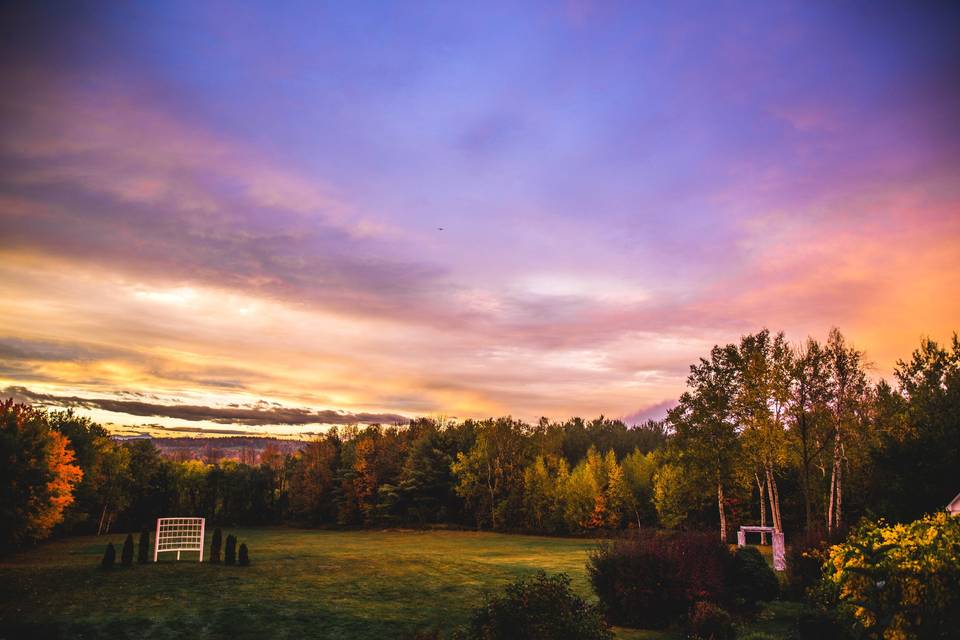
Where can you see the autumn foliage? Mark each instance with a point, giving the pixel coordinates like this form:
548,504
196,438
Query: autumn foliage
37,475
899,582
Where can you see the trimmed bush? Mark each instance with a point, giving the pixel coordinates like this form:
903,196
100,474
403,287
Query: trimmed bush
540,607
243,558
126,555
652,579
109,557
143,547
230,551
752,580
707,621
215,544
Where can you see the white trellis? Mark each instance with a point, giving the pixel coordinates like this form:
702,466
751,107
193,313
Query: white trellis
779,549
179,534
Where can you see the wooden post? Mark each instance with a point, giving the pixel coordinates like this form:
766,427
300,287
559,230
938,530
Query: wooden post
203,524
779,552
156,541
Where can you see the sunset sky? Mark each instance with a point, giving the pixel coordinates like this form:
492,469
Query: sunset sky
228,216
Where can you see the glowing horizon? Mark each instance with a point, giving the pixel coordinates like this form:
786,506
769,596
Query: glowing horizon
376,212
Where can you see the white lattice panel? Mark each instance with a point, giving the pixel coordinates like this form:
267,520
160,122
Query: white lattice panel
179,534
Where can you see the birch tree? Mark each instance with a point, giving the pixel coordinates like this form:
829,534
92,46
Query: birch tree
764,366
705,435
810,416
491,472
848,386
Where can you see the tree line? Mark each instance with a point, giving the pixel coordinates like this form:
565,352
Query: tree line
794,435
799,433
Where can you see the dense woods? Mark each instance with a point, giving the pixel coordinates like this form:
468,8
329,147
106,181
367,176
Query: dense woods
767,431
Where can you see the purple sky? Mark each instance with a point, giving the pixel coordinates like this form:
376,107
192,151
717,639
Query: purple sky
209,204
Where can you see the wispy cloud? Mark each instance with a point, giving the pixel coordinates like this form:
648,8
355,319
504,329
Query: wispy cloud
258,415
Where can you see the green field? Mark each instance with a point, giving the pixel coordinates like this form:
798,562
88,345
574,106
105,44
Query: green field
302,583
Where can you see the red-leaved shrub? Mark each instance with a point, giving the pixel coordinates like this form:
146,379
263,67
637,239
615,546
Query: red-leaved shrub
652,578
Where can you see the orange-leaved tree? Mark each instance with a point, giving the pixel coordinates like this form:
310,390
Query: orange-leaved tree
37,475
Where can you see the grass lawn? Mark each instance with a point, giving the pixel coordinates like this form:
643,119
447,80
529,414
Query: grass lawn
302,583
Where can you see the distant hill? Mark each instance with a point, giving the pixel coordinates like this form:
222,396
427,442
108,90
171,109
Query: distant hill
246,449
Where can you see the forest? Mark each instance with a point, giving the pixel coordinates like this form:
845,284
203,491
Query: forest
797,436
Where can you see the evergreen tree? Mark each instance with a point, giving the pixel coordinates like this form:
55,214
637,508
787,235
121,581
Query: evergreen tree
230,551
244,559
143,547
215,546
126,556
109,557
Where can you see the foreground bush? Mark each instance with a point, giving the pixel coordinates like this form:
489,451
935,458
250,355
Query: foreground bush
539,608
752,581
243,558
652,579
230,551
898,582
109,557
707,621
143,547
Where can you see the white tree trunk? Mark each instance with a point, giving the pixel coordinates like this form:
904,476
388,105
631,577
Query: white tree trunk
763,507
103,519
836,492
723,513
774,500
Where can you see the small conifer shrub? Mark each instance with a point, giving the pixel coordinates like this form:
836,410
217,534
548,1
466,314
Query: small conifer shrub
109,557
230,551
244,556
215,545
752,580
143,547
126,556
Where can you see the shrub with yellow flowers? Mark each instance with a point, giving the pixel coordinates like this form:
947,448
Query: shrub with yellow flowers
899,582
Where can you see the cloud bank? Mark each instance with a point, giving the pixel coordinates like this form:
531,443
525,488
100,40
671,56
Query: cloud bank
221,209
